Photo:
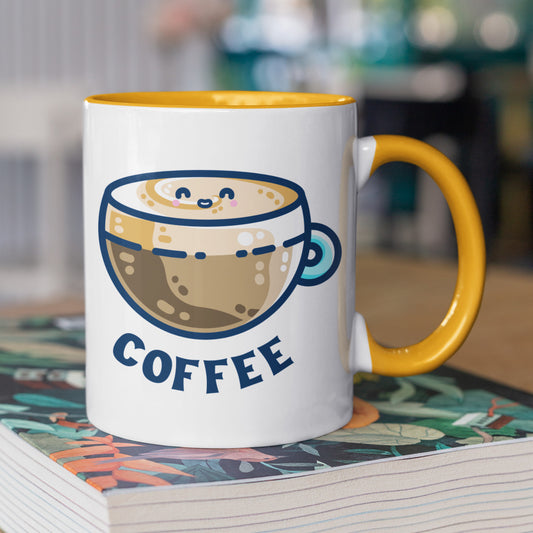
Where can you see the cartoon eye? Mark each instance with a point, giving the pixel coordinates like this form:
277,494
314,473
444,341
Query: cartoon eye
226,191
183,191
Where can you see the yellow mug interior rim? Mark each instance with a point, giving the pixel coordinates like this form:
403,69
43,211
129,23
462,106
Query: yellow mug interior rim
220,99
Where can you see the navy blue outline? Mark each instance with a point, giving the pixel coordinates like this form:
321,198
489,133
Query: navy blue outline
305,237
201,203
123,242
294,240
180,254
260,250
187,194
337,252
230,194
319,253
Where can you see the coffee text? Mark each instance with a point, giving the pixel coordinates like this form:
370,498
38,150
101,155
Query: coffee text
159,366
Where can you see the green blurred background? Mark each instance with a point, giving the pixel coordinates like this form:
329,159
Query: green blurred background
454,73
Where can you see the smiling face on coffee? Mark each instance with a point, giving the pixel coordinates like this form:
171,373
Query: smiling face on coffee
205,198
203,277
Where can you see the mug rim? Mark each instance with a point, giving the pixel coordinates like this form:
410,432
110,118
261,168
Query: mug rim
220,99
108,198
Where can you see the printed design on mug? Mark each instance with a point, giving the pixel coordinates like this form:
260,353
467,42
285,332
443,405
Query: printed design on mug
209,254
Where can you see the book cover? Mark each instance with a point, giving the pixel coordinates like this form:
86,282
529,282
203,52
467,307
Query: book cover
42,402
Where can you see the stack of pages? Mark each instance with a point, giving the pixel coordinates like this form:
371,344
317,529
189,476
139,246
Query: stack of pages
444,451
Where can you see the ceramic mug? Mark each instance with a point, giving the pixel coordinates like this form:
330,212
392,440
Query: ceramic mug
220,265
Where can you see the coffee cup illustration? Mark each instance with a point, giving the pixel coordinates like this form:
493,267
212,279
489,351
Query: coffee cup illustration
209,254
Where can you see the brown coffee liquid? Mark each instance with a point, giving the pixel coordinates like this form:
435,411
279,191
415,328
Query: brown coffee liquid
216,293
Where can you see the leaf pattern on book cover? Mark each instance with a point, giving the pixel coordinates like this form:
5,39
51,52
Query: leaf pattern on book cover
474,441
364,414
437,383
43,400
249,455
391,417
386,435
118,467
481,400
404,391
6,408
415,409
462,431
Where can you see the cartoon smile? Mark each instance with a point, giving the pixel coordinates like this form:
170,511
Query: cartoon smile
183,199
204,203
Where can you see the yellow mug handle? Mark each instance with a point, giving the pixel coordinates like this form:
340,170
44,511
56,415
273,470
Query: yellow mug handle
447,338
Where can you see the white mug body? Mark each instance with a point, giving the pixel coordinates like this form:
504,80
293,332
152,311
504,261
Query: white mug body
272,367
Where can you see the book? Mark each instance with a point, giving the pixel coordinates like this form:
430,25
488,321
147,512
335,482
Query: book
445,451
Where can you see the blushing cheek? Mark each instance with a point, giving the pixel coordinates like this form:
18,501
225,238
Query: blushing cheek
233,203
176,202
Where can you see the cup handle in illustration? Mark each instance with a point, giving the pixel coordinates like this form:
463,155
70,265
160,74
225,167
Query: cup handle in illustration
324,255
372,152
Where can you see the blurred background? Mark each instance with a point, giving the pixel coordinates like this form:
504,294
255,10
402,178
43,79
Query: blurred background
457,74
